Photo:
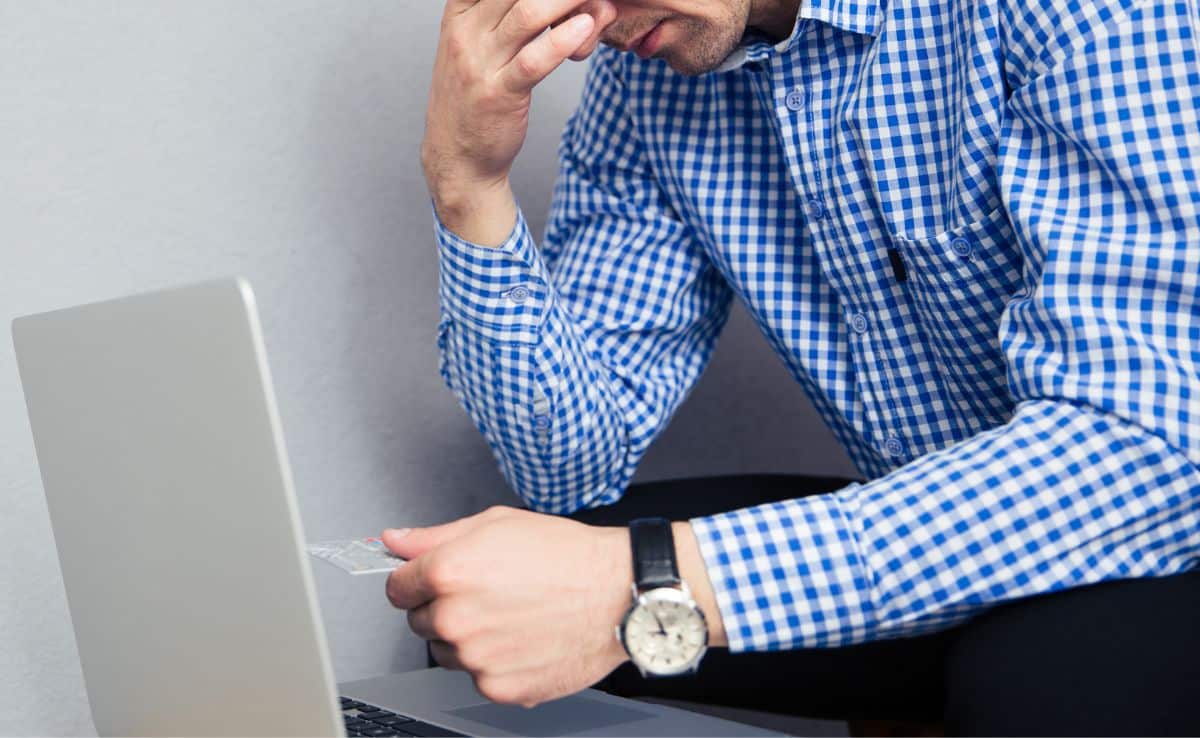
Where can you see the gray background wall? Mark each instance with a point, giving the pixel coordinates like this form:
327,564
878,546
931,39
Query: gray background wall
145,143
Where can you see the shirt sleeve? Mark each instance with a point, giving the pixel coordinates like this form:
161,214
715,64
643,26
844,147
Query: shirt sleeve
1095,476
571,358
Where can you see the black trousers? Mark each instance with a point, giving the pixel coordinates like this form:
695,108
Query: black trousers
1118,658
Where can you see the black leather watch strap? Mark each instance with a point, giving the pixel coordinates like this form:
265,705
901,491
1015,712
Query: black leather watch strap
653,553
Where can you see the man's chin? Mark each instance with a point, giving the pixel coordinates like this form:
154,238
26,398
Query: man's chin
696,59
688,66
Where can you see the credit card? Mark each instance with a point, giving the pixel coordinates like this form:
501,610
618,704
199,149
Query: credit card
357,556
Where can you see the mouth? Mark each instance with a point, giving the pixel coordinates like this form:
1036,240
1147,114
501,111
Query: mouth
646,44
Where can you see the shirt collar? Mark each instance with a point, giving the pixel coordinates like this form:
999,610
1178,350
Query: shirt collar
855,16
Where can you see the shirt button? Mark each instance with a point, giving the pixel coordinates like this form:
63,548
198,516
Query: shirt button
796,100
541,423
894,446
962,247
816,209
858,322
518,294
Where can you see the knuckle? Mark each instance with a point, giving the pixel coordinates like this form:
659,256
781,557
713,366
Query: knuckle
414,621
604,12
441,575
525,15
461,53
455,42
499,690
527,67
472,658
446,624
443,655
392,594
490,95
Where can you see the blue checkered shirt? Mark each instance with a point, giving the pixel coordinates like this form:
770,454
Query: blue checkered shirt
971,231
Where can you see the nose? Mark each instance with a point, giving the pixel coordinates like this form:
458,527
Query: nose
604,11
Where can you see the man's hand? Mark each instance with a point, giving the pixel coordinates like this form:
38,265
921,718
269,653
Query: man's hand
524,602
527,603
491,54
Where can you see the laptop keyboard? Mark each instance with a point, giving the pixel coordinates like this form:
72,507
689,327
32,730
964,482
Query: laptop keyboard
364,719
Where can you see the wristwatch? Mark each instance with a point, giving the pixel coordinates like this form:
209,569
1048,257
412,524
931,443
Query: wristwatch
664,632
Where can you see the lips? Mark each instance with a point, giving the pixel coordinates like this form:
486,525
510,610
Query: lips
649,43
636,43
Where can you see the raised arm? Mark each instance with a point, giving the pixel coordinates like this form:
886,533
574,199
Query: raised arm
572,358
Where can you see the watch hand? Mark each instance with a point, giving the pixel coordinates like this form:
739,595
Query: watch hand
661,628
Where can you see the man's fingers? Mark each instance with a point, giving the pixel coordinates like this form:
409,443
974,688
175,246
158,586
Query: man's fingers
420,620
445,655
543,55
457,7
605,13
418,581
527,19
487,14
409,586
409,543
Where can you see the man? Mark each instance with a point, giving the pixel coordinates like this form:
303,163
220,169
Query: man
968,228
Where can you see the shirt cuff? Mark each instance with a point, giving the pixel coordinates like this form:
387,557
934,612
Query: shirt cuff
501,292
760,558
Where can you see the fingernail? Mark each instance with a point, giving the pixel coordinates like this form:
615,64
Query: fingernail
582,24
398,532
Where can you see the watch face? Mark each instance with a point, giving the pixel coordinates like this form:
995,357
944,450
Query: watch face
665,633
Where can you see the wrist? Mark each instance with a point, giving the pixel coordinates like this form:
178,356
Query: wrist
692,570
483,214
615,550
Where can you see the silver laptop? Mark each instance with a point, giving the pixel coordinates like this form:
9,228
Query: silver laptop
165,472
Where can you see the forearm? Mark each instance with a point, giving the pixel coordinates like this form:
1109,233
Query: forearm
1060,497
572,354
566,382
515,362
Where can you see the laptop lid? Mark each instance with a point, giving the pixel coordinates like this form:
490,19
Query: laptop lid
172,506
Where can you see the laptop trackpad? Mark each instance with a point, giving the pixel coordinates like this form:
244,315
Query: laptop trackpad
560,717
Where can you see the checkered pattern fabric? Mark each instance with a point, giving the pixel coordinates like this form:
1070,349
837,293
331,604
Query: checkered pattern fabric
970,229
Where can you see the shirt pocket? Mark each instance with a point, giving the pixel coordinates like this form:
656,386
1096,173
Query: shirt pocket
959,283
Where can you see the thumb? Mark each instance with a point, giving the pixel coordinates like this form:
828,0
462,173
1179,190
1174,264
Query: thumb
409,543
